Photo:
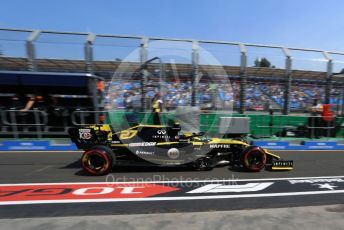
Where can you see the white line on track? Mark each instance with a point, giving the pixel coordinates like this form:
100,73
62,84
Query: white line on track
42,169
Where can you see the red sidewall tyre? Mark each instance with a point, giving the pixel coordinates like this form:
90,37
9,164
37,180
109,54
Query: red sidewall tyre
103,158
256,152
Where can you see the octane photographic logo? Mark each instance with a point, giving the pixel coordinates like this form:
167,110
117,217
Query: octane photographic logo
176,181
185,89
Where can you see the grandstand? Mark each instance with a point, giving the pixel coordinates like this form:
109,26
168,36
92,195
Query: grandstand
267,77
240,85
264,83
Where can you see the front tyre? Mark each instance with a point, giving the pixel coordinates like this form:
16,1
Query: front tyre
98,160
253,158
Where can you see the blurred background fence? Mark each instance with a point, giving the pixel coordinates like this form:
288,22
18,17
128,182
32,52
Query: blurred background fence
216,76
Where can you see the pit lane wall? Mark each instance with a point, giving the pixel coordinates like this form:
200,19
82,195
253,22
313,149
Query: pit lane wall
50,145
259,125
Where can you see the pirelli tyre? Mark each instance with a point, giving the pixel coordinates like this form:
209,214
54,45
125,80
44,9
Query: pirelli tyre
253,158
98,160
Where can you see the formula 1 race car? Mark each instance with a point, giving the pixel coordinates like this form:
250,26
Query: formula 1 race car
166,145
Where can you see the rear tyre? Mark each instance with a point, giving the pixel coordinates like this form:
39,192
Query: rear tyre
253,159
98,160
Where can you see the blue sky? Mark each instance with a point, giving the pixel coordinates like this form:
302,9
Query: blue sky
294,23
310,23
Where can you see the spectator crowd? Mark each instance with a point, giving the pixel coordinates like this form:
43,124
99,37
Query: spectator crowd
259,95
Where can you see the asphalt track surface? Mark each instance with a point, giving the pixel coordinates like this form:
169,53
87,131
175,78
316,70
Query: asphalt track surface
57,167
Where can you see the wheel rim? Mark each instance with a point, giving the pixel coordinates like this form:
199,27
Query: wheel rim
95,162
255,159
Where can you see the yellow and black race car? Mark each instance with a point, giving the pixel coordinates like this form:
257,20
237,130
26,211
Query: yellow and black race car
166,145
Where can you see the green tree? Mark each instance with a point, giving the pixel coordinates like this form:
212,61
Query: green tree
264,62
257,62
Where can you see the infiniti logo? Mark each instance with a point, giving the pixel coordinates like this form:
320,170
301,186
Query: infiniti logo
161,132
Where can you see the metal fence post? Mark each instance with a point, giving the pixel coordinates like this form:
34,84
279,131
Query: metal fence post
89,52
288,79
144,78
328,87
243,78
37,122
143,49
195,74
162,78
143,72
30,50
14,126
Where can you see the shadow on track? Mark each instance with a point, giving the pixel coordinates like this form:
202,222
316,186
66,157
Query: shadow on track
150,169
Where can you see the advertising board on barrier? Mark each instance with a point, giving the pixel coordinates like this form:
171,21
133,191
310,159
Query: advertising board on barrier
273,145
321,145
34,145
307,145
